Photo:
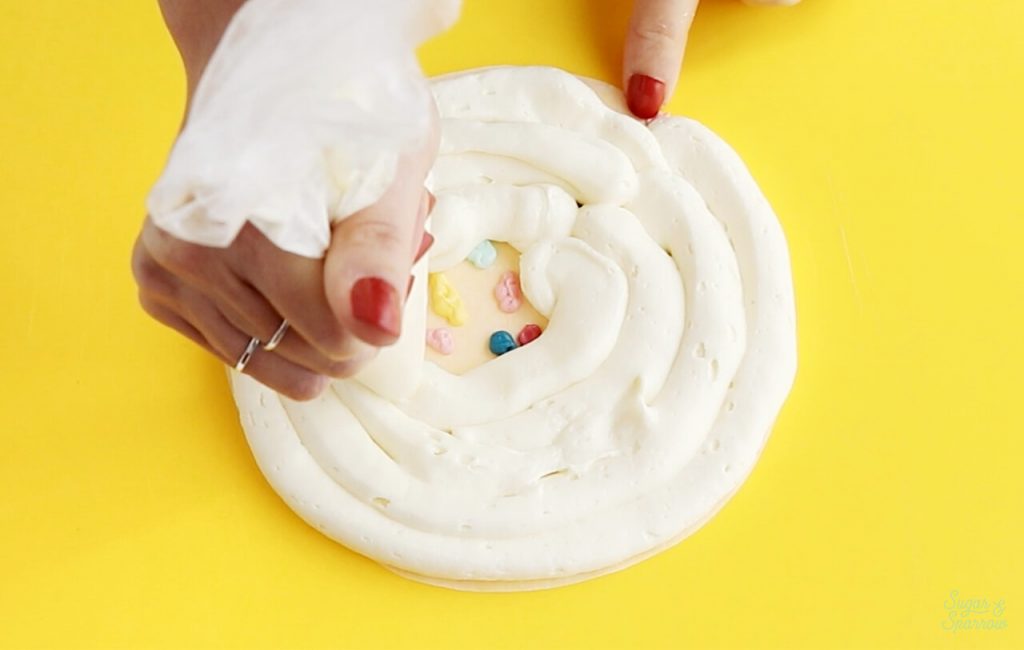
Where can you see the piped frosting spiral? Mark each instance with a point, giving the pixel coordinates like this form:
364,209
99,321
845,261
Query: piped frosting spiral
669,350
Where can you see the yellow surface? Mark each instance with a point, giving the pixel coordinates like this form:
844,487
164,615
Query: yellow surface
888,137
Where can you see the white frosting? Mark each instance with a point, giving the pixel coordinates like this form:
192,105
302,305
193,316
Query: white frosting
641,409
289,129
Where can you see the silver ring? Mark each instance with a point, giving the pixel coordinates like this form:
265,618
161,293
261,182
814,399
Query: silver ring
243,360
282,329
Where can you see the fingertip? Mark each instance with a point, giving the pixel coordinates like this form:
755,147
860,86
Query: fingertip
376,307
654,52
645,96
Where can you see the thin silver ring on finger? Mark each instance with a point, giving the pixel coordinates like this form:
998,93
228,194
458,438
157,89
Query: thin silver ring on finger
250,349
282,329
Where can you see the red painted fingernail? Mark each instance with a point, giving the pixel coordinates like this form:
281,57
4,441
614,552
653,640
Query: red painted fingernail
645,96
425,244
408,289
375,302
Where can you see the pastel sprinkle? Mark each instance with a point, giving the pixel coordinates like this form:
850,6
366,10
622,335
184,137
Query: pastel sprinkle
445,300
483,256
440,339
528,333
508,292
502,342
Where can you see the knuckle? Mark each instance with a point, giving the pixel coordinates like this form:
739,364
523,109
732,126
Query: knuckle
235,292
248,235
159,312
145,270
179,257
251,244
353,363
374,234
304,387
658,33
343,369
333,343
149,305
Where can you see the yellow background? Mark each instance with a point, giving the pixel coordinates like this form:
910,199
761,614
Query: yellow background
886,134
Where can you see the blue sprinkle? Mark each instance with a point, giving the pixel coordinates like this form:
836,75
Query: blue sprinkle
483,255
502,342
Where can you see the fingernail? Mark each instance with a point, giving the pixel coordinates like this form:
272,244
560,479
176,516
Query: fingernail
375,302
645,96
425,244
408,289
431,201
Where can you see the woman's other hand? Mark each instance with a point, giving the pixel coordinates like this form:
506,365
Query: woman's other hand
654,50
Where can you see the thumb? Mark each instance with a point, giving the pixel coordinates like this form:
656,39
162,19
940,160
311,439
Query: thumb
366,269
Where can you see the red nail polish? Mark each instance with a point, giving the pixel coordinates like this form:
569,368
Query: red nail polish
645,96
408,289
425,244
375,302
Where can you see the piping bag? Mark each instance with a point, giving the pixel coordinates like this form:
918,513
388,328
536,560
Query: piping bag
299,120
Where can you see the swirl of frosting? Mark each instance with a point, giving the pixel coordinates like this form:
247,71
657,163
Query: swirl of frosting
670,348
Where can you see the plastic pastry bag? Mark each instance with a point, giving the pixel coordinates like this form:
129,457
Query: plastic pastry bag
299,120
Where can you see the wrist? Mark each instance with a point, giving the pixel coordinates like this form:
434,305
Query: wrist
196,27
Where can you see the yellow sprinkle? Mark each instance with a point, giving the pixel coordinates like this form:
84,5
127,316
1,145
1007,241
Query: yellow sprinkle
445,300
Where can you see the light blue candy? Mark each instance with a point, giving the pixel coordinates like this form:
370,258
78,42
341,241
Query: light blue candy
502,342
483,255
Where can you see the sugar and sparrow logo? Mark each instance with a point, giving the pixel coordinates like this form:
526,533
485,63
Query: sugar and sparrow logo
966,613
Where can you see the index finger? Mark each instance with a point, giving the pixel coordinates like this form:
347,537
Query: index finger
654,52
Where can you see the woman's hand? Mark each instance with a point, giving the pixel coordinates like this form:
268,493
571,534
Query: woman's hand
340,309
654,50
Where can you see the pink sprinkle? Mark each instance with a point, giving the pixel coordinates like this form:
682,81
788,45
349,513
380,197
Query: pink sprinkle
528,333
441,340
508,292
